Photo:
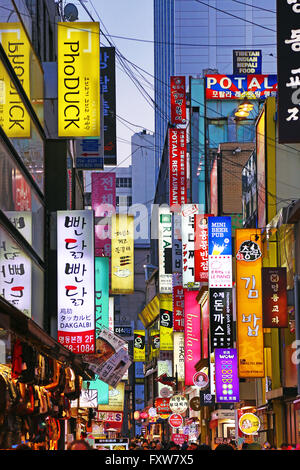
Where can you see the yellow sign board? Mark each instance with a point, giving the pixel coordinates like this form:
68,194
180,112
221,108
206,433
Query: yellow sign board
78,79
250,340
122,254
14,118
249,423
116,398
139,346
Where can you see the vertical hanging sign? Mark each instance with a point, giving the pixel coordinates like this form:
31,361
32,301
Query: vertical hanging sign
78,81
188,246
274,298
76,280
108,89
226,373
165,250
166,322
178,303
219,252
250,340
102,292
122,254
178,100
177,167
104,206
139,346
220,318
192,338
288,55
201,247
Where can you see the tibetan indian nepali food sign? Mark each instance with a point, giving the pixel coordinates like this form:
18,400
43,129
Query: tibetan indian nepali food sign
219,252
240,86
227,381
14,118
178,303
192,338
246,61
165,249
139,346
288,53
177,167
76,280
178,100
122,254
104,206
220,318
274,298
166,322
201,247
250,340
188,245
78,81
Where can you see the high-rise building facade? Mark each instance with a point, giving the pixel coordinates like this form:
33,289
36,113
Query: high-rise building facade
191,36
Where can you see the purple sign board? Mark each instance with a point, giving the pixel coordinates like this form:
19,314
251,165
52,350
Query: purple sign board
226,373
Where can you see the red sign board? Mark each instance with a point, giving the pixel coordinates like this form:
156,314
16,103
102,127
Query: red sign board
274,298
162,406
175,420
178,305
177,167
178,100
179,439
201,247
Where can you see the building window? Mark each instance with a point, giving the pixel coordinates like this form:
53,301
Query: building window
123,182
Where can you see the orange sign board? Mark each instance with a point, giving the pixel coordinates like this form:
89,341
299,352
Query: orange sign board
250,340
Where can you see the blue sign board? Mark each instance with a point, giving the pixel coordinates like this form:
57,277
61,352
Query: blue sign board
219,236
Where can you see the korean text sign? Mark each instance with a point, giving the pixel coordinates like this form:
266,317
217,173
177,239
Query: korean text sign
165,250
78,81
288,53
178,303
226,373
102,292
178,100
221,318
201,247
240,86
250,340
274,298
192,336
122,254
188,245
219,252
76,280
104,204
108,89
177,167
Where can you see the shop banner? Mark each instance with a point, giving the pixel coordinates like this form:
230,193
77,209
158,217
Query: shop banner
220,318
76,280
104,206
14,118
108,90
165,250
178,100
139,346
188,245
78,82
162,406
166,322
179,356
288,51
247,62
116,399
107,345
164,367
122,254
178,303
226,373
192,334
219,252
274,298
240,86
154,344
177,167
250,340
201,247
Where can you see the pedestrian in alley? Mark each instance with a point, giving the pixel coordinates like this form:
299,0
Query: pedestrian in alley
79,444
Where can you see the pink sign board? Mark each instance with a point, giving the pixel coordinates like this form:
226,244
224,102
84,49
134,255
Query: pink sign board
192,337
104,206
